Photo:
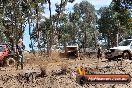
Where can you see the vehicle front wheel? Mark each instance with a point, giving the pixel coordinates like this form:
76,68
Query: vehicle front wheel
81,80
10,61
109,59
126,55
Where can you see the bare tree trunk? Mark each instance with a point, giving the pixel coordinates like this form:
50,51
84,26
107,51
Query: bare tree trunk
85,40
0,37
15,28
65,46
95,43
51,33
12,42
29,25
21,27
47,38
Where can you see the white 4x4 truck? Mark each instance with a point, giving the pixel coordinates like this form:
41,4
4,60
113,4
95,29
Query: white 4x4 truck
123,50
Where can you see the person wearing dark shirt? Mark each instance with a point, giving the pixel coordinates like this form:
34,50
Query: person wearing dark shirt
19,50
99,54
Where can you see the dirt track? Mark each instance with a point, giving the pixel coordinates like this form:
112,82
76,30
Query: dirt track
55,78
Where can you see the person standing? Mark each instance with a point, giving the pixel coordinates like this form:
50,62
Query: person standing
19,53
99,53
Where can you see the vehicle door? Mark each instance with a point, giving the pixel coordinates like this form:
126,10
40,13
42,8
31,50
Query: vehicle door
131,47
3,52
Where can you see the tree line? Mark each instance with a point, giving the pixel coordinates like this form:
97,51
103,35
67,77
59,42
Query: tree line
84,25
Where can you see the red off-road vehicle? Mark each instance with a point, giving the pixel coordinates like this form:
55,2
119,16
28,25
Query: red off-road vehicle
6,56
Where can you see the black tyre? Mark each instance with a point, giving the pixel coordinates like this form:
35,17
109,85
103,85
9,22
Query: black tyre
126,55
109,59
1,63
32,77
81,80
10,61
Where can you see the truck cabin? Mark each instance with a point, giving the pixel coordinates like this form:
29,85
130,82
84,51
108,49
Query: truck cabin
72,51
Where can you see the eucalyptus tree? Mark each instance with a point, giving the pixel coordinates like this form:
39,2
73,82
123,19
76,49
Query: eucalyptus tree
61,18
16,14
108,25
85,21
67,26
122,4
114,20
59,9
122,9
2,29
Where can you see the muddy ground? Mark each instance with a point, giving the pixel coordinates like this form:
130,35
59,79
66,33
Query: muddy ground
55,72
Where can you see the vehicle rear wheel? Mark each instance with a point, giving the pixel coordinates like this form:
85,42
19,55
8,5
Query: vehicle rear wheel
81,80
114,58
109,59
126,55
10,61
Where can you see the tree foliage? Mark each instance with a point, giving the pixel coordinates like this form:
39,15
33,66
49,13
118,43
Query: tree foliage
77,26
114,20
15,14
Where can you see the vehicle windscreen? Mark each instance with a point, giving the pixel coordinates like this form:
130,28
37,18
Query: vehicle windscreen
125,43
1,48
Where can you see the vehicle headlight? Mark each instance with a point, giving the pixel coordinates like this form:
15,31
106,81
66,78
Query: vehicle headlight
119,52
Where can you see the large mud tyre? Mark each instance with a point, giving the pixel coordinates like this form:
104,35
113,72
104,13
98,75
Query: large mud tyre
126,55
109,59
10,62
81,80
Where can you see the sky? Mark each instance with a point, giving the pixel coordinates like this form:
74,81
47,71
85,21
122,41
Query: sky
97,3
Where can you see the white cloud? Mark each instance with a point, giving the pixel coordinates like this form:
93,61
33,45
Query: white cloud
100,3
69,6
